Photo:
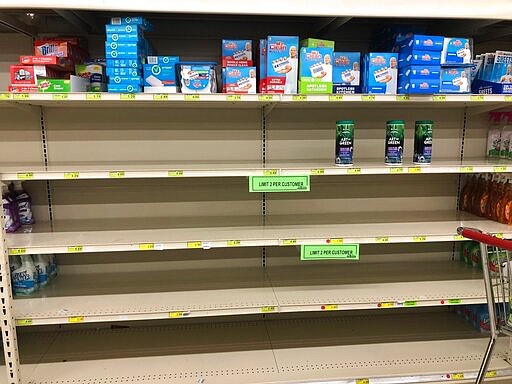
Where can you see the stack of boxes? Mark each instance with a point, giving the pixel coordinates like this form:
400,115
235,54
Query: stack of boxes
420,64
316,66
125,51
493,72
456,60
238,72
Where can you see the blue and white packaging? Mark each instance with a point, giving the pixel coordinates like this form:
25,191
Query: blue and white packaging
239,80
122,50
132,20
416,57
282,64
196,77
380,73
455,80
162,60
123,71
419,87
419,72
502,67
125,33
422,43
124,63
124,88
456,50
346,73
135,80
487,66
160,78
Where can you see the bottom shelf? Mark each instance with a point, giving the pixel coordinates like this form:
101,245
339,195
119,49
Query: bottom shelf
388,347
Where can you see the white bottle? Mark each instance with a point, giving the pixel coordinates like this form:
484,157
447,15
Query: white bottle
14,263
24,278
43,269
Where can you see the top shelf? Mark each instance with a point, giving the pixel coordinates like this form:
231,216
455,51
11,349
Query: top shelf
221,100
460,9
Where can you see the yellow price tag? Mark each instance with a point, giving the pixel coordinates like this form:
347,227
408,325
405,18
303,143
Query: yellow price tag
265,97
329,307
402,98
233,243
175,173
318,171
192,97
396,170
419,238
127,96
454,301
234,97
414,170
75,249
24,322
476,98
499,168
362,381
335,97
336,241
457,376
76,319
499,235
438,97
71,175
289,242
60,96
466,169
508,98
270,172
161,97
383,239
176,315
491,374
20,96
367,97
354,171
25,176
268,309
386,304
5,96
17,251
458,237
194,244
93,96
299,98
116,174
146,246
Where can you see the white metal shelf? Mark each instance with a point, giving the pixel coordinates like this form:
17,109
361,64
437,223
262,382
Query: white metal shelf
123,170
337,350
238,291
113,235
497,9
220,100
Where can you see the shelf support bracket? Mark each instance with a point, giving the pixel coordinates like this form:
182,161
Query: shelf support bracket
268,108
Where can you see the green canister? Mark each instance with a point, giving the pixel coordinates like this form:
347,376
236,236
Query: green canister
395,130
344,142
423,142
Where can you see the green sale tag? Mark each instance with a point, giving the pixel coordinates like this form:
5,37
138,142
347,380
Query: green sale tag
279,183
329,252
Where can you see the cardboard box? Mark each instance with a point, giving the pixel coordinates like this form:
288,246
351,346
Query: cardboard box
159,75
28,74
455,80
162,60
456,50
380,73
419,72
422,43
74,84
123,71
128,80
239,80
124,63
262,66
346,72
124,88
127,33
21,88
95,73
282,64
237,53
317,43
502,67
196,77
132,20
419,87
416,57
315,70
121,50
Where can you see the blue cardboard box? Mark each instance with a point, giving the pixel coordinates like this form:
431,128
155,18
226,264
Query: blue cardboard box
315,69
456,50
162,60
416,57
282,64
346,72
455,80
419,87
422,43
159,75
380,73
239,80
123,71
127,33
502,67
124,88
132,20
419,72
124,63
488,87
122,50
135,80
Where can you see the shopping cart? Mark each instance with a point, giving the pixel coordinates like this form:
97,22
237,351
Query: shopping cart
496,256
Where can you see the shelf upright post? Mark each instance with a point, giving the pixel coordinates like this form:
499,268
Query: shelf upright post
8,325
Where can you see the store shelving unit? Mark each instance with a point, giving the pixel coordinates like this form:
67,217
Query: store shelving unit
145,200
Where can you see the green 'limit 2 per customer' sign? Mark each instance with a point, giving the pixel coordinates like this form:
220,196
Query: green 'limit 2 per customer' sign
329,252
279,183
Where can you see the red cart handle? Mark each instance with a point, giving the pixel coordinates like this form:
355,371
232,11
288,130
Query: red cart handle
477,235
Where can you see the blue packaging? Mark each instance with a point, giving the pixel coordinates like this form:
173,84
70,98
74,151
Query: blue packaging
487,66
380,73
239,80
124,63
422,43
132,20
419,87
455,80
502,67
121,50
488,87
123,71
346,73
127,33
456,50
419,72
124,88
416,57
315,70
282,64
159,75
135,81
162,60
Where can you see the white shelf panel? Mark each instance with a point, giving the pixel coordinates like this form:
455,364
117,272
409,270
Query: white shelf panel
220,100
498,9
223,292
74,236
118,170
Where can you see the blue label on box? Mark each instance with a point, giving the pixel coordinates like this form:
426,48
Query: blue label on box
159,75
502,67
380,73
123,71
282,64
456,50
118,50
124,88
124,63
162,60
346,69
125,80
240,79
415,57
419,72
419,87
127,33
455,80
422,43
487,87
